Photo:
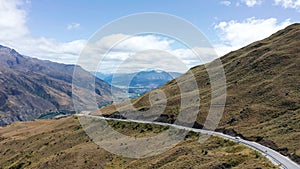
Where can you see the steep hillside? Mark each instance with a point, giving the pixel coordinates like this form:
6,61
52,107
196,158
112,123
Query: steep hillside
63,144
30,87
263,93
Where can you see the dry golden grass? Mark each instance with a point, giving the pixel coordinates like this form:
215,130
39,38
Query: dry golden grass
63,144
263,93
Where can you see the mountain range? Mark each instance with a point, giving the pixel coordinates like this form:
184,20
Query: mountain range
138,82
31,87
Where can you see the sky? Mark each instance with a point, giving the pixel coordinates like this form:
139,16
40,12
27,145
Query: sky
58,30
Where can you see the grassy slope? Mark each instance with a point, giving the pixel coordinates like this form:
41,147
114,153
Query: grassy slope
63,144
263,92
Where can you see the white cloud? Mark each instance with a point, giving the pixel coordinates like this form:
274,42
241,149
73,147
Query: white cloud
190,57
147,50
223,49
13,18
134,43
251,3
226,3
73,26
152,59
134,53
235,35
50,49
14,33
295,4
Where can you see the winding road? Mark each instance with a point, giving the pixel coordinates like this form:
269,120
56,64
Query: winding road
275,157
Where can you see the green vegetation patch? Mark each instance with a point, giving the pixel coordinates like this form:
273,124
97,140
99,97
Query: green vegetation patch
137,129
52,114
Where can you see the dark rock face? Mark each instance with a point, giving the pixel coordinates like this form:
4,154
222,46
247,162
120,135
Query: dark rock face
165,118
230,132
30,87
295,158
234,119
197,125
115,115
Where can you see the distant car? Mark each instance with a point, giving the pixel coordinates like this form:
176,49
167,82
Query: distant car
237,139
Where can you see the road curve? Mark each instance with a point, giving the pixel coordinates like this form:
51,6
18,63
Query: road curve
275,157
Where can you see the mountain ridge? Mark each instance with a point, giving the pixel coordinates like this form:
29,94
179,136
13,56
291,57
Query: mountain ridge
136,77
138,83
263,94
30,87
